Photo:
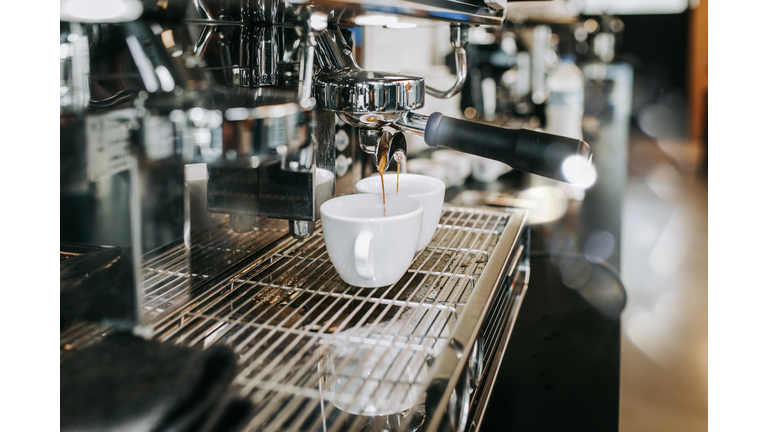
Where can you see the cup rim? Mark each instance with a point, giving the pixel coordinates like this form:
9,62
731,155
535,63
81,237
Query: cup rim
421,194
418,209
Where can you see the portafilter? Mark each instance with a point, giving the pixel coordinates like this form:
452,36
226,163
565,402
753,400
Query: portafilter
373,101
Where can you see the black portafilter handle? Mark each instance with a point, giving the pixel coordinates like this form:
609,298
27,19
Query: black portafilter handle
538,153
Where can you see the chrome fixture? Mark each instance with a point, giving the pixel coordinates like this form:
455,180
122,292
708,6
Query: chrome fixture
198,142
372,101
459,39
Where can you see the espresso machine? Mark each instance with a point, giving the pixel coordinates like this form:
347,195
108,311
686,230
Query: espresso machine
199,139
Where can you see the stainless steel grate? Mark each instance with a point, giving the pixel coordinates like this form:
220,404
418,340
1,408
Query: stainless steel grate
171,276
304,337
315,353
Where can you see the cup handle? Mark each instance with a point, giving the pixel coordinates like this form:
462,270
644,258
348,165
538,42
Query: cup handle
363,255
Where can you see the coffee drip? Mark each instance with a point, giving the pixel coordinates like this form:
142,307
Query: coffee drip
389,147
399,157
381,164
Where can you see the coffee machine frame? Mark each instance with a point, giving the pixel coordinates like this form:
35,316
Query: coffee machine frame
218,113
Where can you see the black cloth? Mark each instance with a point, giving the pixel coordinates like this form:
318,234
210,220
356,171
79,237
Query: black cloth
98,286
128,383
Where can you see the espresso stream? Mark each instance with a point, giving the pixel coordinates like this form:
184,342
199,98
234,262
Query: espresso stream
398,177
382,163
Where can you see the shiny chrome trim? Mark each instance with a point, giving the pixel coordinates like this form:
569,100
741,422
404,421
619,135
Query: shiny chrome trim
412,123
486,387
343,86
281,307
363,91
459,39
449,366
203,10
461,12
335,55
202,41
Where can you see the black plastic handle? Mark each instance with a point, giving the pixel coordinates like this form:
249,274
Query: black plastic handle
530,151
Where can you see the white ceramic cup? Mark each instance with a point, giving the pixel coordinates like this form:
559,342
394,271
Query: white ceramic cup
459,165
368,248
428,191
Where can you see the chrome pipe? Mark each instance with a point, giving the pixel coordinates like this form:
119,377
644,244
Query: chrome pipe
305,74
412,123
203,10
202,41
312,23
335,54
459,39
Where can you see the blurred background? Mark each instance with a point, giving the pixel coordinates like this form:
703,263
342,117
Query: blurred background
630,78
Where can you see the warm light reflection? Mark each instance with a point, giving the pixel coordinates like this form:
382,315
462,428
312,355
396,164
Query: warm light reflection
166,80
177,116
550,204
318,21
576,168
213,119
196,114
143,64
236,114
375,20
96,11
275,111
589,180
591,25
479,36
167,37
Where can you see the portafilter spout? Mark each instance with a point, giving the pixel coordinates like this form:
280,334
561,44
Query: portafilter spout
367,100
384,145
390,146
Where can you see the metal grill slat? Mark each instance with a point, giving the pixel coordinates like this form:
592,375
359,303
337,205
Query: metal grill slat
463,228
288,316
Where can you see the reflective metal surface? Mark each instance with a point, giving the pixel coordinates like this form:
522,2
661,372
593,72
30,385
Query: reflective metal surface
302,334
343,86
482,12
201,140
464,11
301,229
369,140
459,40
391,146
412,123
360,92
